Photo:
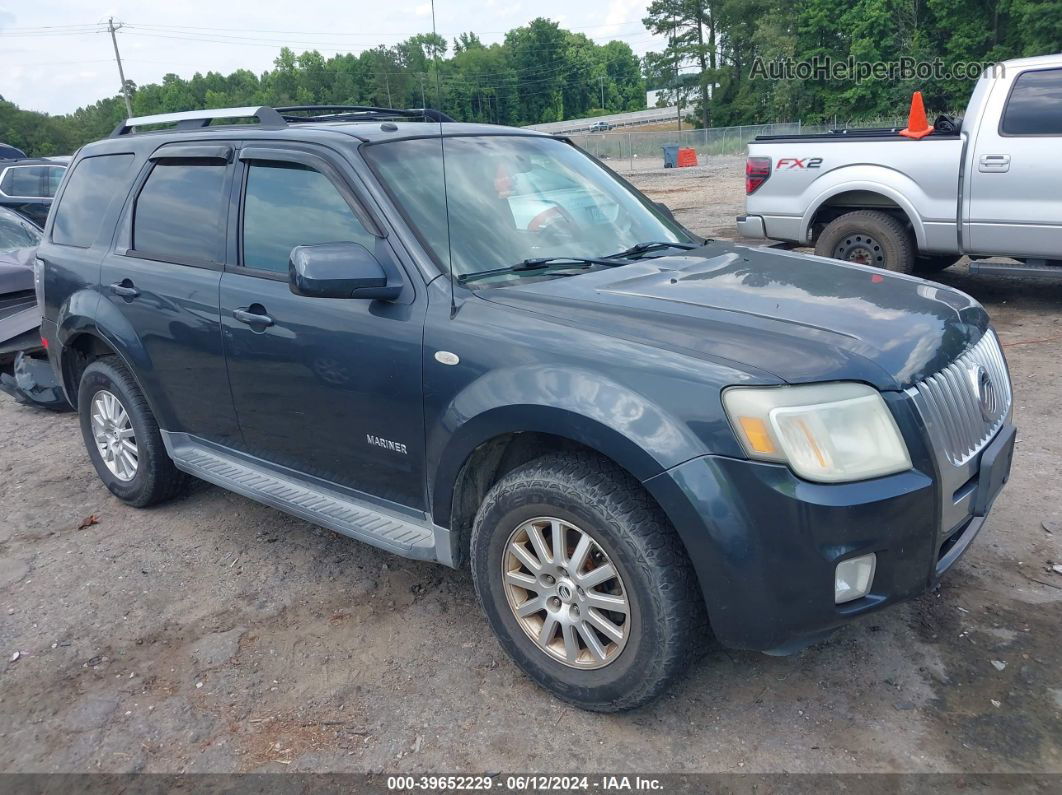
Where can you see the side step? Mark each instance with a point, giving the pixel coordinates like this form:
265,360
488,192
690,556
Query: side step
321,506
1016,269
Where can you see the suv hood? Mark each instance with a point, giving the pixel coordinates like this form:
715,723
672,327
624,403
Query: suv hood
774,314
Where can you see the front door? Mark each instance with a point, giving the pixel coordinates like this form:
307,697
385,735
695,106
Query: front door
327,387
160,288
1015,204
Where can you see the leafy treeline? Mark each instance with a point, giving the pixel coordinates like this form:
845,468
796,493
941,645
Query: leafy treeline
714,45
539,73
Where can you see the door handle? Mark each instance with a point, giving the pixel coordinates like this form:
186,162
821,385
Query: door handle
252,317
125,289
993,164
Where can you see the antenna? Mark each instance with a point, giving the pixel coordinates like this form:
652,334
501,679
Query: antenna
442,154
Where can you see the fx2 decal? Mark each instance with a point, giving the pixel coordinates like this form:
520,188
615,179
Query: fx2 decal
789,163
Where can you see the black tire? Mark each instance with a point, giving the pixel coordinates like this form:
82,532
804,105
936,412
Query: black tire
868,237
155,478
934,263
666,623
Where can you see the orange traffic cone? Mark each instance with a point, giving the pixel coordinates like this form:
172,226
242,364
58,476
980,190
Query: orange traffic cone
918,125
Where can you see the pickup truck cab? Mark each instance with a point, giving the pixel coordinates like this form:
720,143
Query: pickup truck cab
986,186
628,433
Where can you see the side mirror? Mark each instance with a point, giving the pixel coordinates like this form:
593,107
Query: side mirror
339,270
665,210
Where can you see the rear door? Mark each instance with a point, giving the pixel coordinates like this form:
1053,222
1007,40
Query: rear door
160,285
327,387
1015,206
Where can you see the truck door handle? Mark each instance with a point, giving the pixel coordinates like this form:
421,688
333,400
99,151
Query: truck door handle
994,164
125,289
254,315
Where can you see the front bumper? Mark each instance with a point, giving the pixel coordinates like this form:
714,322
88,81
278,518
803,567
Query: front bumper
765,544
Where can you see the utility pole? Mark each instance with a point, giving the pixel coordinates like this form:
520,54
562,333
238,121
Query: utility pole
678,89
121,74
601,79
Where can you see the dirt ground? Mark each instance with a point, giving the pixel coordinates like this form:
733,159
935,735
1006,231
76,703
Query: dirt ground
214,634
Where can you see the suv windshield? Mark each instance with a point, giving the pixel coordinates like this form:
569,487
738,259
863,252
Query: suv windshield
513,198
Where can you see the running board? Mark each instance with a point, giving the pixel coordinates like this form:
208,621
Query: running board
1017,269
285,491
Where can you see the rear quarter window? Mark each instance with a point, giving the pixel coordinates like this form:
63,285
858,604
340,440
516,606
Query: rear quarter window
1035,104
95,183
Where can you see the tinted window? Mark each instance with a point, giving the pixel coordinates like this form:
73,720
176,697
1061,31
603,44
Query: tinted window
94,185
15,235
31,181
180,214
289,205
1035,104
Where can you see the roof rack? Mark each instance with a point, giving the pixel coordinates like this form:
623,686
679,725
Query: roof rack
279,117
358,113
194,119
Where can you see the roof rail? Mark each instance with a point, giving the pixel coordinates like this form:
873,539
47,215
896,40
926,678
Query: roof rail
359,113
192,119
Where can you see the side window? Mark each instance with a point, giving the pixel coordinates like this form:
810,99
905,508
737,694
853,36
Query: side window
1035,104
95,183
24,181
51,182
14,235
288,205
179,215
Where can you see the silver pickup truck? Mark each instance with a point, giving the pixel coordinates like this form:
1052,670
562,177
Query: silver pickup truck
988,185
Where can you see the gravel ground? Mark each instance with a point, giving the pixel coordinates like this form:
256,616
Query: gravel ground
214,634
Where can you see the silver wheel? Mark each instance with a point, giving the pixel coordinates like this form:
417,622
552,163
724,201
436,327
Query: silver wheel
113,433
565,593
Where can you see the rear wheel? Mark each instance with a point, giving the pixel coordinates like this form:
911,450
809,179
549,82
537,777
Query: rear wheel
122,437
868,237
585,583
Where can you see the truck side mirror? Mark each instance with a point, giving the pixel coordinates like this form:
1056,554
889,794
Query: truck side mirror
339,270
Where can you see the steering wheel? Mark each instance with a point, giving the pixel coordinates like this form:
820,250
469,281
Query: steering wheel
553,219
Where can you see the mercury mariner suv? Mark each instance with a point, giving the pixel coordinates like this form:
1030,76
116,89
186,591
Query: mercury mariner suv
479,346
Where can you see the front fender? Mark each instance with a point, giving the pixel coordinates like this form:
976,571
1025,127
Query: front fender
889,183
582,406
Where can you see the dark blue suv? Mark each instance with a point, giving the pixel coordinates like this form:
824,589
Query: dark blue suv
479,346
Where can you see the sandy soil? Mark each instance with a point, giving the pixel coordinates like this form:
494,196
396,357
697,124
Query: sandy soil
214,634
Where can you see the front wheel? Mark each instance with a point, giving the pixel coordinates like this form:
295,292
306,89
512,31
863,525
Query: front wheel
868,237
585,583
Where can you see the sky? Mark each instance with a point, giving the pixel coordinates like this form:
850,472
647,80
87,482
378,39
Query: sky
56,55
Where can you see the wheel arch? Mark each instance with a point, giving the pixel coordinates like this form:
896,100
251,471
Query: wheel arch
863,195
496,443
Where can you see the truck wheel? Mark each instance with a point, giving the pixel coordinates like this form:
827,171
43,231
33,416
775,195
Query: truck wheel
585,583
868,237
934,263
122,437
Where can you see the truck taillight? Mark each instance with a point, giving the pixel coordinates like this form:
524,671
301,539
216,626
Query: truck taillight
757,170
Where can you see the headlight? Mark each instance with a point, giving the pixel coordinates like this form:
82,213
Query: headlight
830,433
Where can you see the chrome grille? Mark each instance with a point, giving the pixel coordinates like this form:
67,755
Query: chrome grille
966,403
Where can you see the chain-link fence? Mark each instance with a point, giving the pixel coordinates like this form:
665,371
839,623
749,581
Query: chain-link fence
631,151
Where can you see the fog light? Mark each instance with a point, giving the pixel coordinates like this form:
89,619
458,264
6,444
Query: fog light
854,578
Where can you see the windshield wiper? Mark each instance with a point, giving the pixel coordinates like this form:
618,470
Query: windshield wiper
541,263
644,248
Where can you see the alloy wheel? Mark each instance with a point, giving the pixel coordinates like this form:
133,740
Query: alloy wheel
113,433
565,593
